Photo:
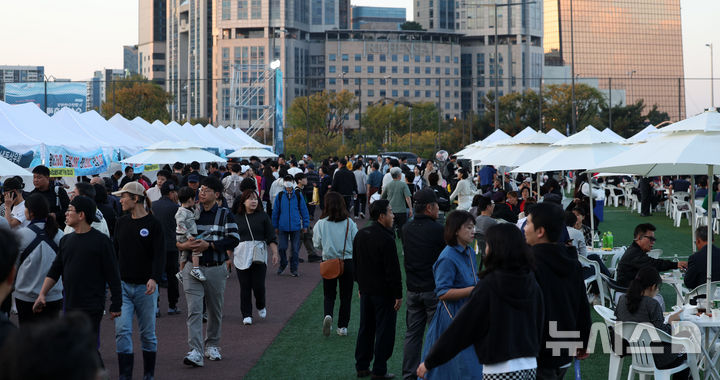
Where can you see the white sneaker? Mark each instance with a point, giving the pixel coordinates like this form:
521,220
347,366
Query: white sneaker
262,313
212,353
247,321
327,325
342,331
194,359
198,274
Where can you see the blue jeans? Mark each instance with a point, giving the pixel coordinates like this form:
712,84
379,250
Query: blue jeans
135,301
294,237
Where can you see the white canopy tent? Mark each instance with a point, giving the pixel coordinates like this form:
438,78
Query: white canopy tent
249,151
121,136
644,135
689,146
10,169
494,137
555,134
611,134
165,152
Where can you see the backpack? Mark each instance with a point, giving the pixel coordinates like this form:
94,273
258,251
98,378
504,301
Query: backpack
445,170
40,236
298,193
232,190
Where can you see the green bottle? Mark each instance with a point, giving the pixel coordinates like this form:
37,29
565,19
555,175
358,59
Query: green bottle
611,240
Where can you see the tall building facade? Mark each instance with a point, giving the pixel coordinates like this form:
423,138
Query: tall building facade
189,49
635,46
376,18
252,33
16,74
130,59
152,34
394,66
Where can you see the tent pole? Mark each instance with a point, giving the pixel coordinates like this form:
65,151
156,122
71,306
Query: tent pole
692,212
710,294
592,207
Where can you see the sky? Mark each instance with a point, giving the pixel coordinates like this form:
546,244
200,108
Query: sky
74,38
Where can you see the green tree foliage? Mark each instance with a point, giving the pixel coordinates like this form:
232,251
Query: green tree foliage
136,96
655,117
325,118
411,25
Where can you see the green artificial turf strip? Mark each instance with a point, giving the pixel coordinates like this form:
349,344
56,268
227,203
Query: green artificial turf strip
301,351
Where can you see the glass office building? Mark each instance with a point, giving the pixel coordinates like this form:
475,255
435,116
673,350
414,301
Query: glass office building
626,44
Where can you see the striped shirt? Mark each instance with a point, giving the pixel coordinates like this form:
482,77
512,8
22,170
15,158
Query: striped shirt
217,226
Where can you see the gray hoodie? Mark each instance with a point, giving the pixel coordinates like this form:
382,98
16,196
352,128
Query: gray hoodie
31,274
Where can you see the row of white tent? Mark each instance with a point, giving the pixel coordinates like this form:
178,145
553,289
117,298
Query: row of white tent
25,127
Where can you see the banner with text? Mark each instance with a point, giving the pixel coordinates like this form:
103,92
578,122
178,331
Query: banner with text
279,113
82,163
58,94
28,159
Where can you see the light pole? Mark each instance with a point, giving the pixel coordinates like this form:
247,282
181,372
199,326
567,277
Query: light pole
497,77
712,90
631,73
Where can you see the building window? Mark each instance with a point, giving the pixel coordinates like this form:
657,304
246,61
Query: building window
358,57
371,93
332,57
417,58
344,57
406,69
331,81
427,93
394,70
394,81
226,9
345,69
358,69
394,58
428,70
406,58
382,57
370,57
371,82
331,69
427,81
447,59
394,93
382,69
406,93
417,81
382,93
255,9
417,69
437,59
370,69
406,82
427,59
417,93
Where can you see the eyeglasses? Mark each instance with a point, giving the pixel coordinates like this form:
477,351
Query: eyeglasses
651,238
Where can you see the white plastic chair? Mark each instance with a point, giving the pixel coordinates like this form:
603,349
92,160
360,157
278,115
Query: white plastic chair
640,336
701,217
596,277
680,208
700,290
614,197
616,361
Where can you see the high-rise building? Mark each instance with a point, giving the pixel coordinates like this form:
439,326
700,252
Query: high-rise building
631,45
253,33
130,59
377,18
152,33
189,49
17,74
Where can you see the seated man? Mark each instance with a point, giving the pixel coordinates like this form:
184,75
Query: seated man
697,263
636,256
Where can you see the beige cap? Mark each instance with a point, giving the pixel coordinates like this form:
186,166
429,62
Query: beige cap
132,188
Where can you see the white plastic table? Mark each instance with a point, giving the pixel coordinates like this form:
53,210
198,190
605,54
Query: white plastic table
678,284
710,328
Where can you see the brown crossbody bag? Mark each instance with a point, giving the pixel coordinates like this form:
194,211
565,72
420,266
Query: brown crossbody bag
333,268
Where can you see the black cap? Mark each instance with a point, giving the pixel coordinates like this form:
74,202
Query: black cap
425,196
86,205
167,187
193,178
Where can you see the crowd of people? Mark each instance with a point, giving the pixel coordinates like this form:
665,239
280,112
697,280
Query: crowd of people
483,283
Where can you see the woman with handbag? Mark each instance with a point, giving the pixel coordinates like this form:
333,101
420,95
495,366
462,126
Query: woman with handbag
257,236
334,234
455,273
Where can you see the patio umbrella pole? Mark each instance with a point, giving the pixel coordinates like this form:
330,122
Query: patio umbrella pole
692,210
710,239
592,207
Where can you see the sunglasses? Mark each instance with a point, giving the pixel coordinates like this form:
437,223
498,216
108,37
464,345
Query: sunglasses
651,238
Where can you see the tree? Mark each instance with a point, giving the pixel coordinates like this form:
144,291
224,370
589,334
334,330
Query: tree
325,118
655,117
626,119
411,25
137,97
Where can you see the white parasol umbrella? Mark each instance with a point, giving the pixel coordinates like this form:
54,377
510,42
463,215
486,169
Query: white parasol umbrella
555,134
170,151
494,137
10,169
583,150
644,135
686,147
249,151
610,134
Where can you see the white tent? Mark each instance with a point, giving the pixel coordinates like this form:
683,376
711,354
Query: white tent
10,169
496,136
249,151
123,124
157,134
610,134
103,126
104,137
518,151
554,133
643,135
173,151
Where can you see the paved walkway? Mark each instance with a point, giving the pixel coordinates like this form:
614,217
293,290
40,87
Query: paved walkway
241,346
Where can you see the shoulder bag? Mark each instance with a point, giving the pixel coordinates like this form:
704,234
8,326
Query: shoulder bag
333,268
259,248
